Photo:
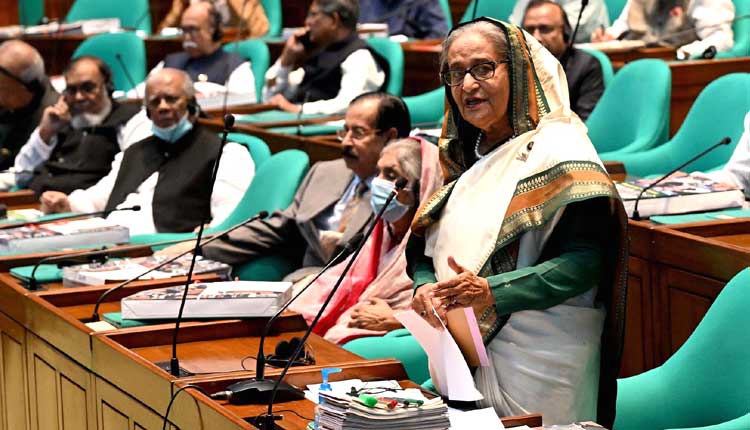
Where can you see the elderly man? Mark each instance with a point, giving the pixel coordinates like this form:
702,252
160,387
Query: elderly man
167,174
332,205
594,16
79,136
248,14
208,65
548,23
25,92
692,26
325,65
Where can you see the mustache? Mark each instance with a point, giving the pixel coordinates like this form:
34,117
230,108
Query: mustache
348,151
189,44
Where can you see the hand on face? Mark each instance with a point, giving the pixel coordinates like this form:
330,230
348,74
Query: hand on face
375,314
54,202
294,53
53,119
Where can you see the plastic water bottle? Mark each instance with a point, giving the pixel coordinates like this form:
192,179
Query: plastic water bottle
325,386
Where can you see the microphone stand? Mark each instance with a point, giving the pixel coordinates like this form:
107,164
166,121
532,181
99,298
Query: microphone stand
636,215
565,56
95,315
267,421
100,255
174,364
105,214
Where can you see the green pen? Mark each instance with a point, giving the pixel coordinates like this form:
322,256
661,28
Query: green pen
368,401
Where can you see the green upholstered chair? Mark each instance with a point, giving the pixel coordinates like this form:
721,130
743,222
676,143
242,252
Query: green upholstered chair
258,149
256,52
607,72
447,11
614,8
426,109
399,344
107,46
30,12
498,9
718,112
741,29
275,16
633,113
393,53
706,384
133,14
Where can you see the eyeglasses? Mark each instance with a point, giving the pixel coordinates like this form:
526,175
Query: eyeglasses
85,88
480,72
357,133
543,29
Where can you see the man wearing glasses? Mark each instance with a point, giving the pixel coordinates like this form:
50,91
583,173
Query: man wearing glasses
167,174
79,136
332,205
548,23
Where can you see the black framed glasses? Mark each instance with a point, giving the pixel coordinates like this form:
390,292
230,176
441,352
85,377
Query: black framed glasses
86,88
480,72
543,29
357,133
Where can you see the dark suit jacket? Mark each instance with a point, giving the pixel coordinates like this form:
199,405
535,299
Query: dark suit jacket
292,232
585,82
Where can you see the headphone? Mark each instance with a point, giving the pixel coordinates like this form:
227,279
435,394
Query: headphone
104,70
35,86
567,28
216,21
284,351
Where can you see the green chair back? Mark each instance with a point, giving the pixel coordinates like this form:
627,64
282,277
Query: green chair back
706,383
131,49
275,16
614,8
718,112
133,14
447,11
607,72
498,9
393,53
625,119
257,147
256,52
30,12
741,30
426,109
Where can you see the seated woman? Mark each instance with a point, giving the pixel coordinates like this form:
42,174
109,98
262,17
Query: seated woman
528,230
377,283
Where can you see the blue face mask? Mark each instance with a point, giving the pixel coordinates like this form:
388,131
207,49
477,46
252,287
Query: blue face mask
174,133
380,189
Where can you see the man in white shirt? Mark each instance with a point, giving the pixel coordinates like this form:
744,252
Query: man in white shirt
737,169
325,65
594,16
169,173
79,136
692,26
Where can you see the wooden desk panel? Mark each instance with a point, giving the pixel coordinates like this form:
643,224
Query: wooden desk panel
8,262
22,199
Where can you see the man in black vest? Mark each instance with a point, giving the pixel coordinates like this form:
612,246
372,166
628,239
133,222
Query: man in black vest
25,92
325,65
207,64
79,136
167,174
548,23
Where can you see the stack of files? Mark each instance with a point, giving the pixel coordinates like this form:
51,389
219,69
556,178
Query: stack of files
342,412
63,234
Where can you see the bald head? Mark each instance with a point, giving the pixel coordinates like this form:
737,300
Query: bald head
199,23
168,92
22,63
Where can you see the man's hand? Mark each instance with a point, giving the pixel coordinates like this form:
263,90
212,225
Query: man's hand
54,202
375,314
294,53
599,35
53,119
282,103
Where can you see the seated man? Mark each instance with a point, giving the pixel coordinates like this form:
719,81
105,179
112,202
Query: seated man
332,205
416,19
79,136
692,26
325,65
253,17
548,23
737,169
208,65
167,174
594,16
25,92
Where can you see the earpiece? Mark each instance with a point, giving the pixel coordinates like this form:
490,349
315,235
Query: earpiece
284,351
216,21
35,87
567,29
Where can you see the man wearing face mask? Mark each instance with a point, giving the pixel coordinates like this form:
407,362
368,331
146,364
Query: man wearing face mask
332,205
79,136
208,65
167,174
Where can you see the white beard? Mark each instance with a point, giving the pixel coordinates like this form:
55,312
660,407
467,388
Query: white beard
87,119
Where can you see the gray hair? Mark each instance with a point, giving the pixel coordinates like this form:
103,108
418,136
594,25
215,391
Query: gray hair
408,151
348,11
26,57
187,83
490,31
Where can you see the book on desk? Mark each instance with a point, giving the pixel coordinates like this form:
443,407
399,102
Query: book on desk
63,234
679,194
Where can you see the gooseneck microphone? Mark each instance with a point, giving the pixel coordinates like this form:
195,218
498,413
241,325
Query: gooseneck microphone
100,300
88,257
636,215
125,71
104,214
267,421
565,56
174,364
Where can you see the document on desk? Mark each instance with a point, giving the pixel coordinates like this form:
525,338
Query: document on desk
447,362
476,419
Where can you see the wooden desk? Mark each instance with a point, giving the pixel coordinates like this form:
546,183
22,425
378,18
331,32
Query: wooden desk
7,262
619,58
22,199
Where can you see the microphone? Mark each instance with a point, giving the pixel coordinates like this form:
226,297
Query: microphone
299,114
97,256
474,12
127,75
104,214
139,21
100,300
636,215
565,56
236,52
266,421
709,53
174,363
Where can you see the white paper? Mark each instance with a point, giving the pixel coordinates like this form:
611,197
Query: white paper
473,420
446,360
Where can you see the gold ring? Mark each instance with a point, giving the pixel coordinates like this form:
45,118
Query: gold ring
423,313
